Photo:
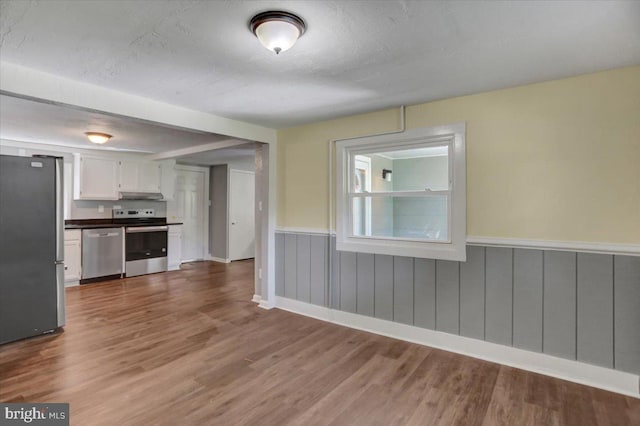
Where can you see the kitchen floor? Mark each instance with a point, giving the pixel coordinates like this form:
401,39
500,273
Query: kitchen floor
188,347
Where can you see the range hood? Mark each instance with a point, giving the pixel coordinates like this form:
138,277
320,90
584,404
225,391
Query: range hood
156,196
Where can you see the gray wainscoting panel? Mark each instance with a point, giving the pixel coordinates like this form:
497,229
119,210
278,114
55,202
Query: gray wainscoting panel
366,284
595,309
559,320
403,289
348,281
280,264
567,304
499,313
527,299
335,275
318,269
303,268
472,287
424,306
383,286
291,260
627,313
447,296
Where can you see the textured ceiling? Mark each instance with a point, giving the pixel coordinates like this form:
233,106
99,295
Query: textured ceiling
28,121
356,56
243,153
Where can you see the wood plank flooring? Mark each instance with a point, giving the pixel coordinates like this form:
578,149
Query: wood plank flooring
189,348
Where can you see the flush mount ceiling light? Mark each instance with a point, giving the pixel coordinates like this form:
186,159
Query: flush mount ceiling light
97,137
277,30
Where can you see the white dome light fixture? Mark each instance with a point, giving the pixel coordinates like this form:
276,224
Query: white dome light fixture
97,137
277,30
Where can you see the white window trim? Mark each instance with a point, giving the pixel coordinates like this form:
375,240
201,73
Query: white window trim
455,248
366,161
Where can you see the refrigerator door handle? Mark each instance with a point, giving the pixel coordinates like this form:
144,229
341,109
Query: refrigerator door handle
62,315
59,209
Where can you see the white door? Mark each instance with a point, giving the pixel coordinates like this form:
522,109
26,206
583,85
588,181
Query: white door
190,211
241,215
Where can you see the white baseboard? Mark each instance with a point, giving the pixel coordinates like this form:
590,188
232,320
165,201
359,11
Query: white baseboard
71,284
173,268
574,371
266,304
256,298
307,309
218,259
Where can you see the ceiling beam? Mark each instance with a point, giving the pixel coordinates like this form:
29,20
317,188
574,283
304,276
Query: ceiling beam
177,153
27,82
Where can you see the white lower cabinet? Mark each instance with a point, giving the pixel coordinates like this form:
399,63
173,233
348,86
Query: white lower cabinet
174,255
72,257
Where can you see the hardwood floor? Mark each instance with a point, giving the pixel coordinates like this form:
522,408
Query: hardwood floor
189,348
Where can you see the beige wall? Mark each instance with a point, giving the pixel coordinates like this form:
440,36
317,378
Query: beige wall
558,160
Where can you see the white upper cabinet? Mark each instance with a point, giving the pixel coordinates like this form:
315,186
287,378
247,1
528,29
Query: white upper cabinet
95,178
103,178
168,179
128,175
139,176
150,176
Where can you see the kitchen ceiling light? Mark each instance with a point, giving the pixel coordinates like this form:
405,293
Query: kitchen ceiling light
277,30
97,137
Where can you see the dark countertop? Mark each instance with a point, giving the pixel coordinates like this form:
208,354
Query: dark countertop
108,223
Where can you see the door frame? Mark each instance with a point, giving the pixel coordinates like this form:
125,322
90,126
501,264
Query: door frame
206,202
266,212
255,219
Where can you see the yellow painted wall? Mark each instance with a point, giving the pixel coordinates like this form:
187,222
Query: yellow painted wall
558,160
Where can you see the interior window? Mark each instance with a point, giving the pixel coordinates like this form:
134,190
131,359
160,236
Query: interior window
403,194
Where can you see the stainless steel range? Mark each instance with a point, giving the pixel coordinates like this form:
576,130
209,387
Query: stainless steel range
145,241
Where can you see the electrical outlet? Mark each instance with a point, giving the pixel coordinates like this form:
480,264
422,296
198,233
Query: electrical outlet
100,209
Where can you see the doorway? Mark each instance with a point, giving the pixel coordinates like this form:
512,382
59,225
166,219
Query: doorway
241,214
191,183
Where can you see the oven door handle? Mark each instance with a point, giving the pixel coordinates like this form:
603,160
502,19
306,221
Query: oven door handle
137,229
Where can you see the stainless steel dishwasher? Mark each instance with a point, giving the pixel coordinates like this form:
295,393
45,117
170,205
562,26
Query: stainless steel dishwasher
102,254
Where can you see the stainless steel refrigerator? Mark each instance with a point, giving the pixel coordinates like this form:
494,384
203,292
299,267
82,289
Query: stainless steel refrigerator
31,246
